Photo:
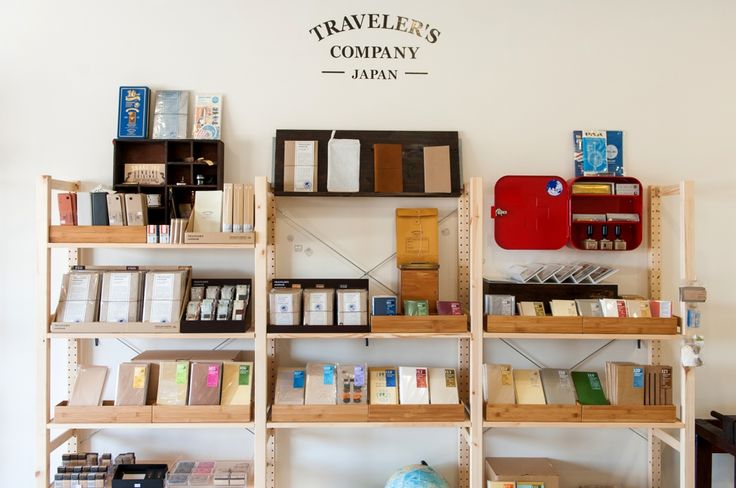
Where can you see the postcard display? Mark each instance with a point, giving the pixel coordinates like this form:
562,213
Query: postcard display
423,389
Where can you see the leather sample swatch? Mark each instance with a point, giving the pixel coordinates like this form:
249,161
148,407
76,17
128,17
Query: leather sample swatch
437,169
67,208
88,386
443,386
499,384
290,384
388,170
173,383
205,383
237,383
558,386
132,384
528,386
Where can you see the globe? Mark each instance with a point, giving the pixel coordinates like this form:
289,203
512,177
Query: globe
417,476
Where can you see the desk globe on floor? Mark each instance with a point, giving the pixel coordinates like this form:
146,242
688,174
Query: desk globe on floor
417,476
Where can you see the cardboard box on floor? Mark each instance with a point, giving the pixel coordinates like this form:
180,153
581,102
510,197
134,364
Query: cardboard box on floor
522,469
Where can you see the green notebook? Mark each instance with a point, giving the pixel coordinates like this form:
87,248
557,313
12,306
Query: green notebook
589,388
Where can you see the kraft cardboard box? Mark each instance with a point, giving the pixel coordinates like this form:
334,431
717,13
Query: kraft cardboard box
416,236
522,469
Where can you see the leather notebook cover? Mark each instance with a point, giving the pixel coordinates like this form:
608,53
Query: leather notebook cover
132,384
588,388
173,383
388,168
437,169
99,208
205,383
116,209
136,209
237,382
87,390
558,386
499,384
528,386
67,209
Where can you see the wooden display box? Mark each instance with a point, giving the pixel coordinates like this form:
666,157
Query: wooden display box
533,413
105,413
416,413
629,413
419,323
115,327
98,234
628,325
319,413
164,414
191,237
534,325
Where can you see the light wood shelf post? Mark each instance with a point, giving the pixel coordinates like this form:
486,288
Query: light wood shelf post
260,317
476,329
687,376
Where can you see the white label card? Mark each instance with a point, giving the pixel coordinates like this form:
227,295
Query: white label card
163,286
304,153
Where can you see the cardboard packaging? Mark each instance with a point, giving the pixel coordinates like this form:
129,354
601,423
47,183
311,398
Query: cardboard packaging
300,166
227,207
237,207
437,177
162,311
318,306
421,284
205,383
321,387
290,384
132,386
173,383
538,470
352,307
285,305
416,236
237,383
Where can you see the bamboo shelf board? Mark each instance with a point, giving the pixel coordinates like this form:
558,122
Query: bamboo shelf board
417,413
163,335
524,324
633,337
371,335
365,425
627,325
132,234
587,425
184,414
319,413
526,413
421,323
143,245
630,413
115,425
105,413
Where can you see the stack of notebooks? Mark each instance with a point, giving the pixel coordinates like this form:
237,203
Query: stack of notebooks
338,384
560,273
168,383
626,384
102,208
604,307
237,205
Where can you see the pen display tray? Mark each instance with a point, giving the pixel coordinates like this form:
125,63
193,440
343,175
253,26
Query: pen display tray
629,413
163,414
105,413
419,323
97,234
533,413
319,413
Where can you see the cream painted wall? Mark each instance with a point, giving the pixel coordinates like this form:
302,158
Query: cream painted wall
515,78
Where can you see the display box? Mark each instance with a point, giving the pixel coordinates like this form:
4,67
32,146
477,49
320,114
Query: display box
319,413
417,413
97,234
544,292
630,325
420,284
419,323
139,475
533,413
102,414
538,470
217,326
517,324
536,212
416,236
201,413
191,237
629,413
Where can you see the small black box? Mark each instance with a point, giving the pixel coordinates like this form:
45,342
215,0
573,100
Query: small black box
139,476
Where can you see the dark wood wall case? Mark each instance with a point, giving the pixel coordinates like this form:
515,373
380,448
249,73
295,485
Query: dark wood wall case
413,143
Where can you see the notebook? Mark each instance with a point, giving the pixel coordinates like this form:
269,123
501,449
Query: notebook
388,168
588,388
443,386
205,383
132,384
237,383
87,389
321,387
499,384
528,387
290,384
351,384
558,386
413,386
437,176
173,383
383,387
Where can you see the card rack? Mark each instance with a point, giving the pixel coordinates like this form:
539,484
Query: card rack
336,284
413,143
178,159
218,326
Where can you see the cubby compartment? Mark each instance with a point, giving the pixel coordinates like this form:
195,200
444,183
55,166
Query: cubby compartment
179,151
179,174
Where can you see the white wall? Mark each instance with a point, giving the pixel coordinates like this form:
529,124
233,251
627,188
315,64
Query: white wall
515,78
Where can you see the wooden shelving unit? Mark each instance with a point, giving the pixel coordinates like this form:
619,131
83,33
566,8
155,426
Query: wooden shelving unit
649,331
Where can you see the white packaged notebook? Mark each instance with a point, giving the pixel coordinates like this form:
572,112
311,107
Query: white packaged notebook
290,386
343,165
443,386
563,308
207,211
413,386
321,388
